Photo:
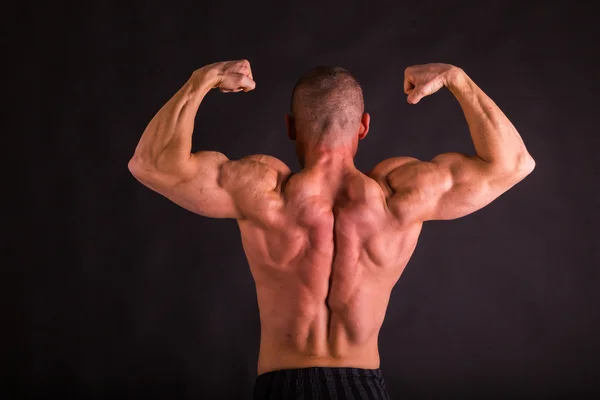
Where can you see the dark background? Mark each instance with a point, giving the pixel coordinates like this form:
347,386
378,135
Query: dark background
113,291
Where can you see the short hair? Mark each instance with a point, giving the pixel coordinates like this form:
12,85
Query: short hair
327,98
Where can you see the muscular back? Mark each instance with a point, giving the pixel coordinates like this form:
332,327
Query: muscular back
326,250
324,261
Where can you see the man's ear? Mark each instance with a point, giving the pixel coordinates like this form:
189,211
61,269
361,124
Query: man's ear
364,126
290,126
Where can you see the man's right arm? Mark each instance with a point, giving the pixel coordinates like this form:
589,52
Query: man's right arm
453,185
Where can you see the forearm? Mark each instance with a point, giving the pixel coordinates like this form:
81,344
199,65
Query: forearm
166,143
495,138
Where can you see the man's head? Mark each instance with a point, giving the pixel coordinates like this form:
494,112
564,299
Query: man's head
327,109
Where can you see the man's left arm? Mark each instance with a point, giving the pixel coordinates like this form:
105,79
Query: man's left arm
204,182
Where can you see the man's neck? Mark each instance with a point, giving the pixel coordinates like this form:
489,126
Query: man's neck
333,160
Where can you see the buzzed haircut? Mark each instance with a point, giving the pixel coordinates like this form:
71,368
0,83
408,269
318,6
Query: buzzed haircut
327,98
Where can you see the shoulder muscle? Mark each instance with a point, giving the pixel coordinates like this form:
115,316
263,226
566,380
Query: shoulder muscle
255,184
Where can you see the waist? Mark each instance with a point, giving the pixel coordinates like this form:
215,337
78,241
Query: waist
273,357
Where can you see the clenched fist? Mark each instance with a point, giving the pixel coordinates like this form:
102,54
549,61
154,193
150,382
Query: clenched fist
426,79
232,76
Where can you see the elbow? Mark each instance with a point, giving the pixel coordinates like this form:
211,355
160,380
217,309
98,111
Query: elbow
516,170
524,166
133,166
138,167
145,173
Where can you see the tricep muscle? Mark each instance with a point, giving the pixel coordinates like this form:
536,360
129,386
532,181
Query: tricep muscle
194,184
450,186
211,185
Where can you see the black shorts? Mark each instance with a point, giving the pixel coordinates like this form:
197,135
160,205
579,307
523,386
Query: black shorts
319,383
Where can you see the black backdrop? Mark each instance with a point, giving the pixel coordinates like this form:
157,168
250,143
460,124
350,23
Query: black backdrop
117,291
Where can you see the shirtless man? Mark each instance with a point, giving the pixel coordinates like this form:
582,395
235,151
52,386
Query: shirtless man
326,245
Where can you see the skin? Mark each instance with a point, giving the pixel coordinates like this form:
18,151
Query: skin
326,245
